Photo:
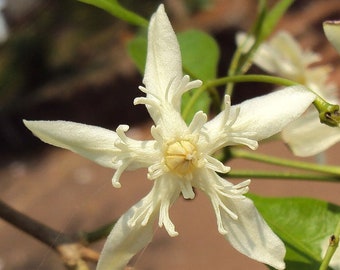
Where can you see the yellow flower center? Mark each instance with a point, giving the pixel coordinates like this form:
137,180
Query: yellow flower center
181,157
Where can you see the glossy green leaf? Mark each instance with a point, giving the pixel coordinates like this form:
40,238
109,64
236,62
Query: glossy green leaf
303,224
117,10
200,54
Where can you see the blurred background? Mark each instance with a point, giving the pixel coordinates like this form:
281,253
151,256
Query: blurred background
62,59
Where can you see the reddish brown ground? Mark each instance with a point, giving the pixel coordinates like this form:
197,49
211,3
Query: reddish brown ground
70,193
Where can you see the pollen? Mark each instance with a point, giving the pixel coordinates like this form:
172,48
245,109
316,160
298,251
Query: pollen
181,158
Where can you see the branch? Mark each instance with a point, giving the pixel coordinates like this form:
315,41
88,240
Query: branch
70,247
41,232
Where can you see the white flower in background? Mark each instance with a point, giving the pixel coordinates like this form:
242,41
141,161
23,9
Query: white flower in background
284,57
179,158
332,31
335,260
3,24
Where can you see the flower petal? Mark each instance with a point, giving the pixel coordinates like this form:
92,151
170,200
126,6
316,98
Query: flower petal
134,230
125,241
332,31
267,115
251,235
239,221
306,136
163,63
282,55
92,142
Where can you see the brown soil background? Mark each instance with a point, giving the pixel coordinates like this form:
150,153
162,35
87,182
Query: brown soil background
72,194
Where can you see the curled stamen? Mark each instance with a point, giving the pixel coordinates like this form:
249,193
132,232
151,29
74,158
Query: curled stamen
186,189
240,139
121,129
192,84
146,101
156,170
149,93
156,133
120,169
164,219
200,118
184,86
220,226
144,212
216,165
243,184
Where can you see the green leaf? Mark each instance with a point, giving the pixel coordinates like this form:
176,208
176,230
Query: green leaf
303,224
137,49
117,10
200,54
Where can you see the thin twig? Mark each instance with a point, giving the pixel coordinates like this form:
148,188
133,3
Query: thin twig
43,233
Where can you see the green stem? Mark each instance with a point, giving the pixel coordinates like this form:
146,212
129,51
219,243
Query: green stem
329,113
280,175
333,245
327,169
238,78
252,78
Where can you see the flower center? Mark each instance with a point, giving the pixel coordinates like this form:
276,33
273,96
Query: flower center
181,158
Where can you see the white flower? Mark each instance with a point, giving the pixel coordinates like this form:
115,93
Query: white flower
332,31
284,57
179,158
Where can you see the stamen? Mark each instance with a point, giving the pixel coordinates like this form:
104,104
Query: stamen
187,191
164,219
168,89
144,211
120,169
226,111
146,101
216,165
121,129
200,118
156,170
239,139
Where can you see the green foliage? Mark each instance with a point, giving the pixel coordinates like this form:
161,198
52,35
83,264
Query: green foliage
200,54
117,10
137,48
303,224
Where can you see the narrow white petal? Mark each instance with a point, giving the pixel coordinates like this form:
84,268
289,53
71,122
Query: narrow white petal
251,235
306,136
332,31
267,115
125,241
163,63
282,55
239,221
98,144
92,142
